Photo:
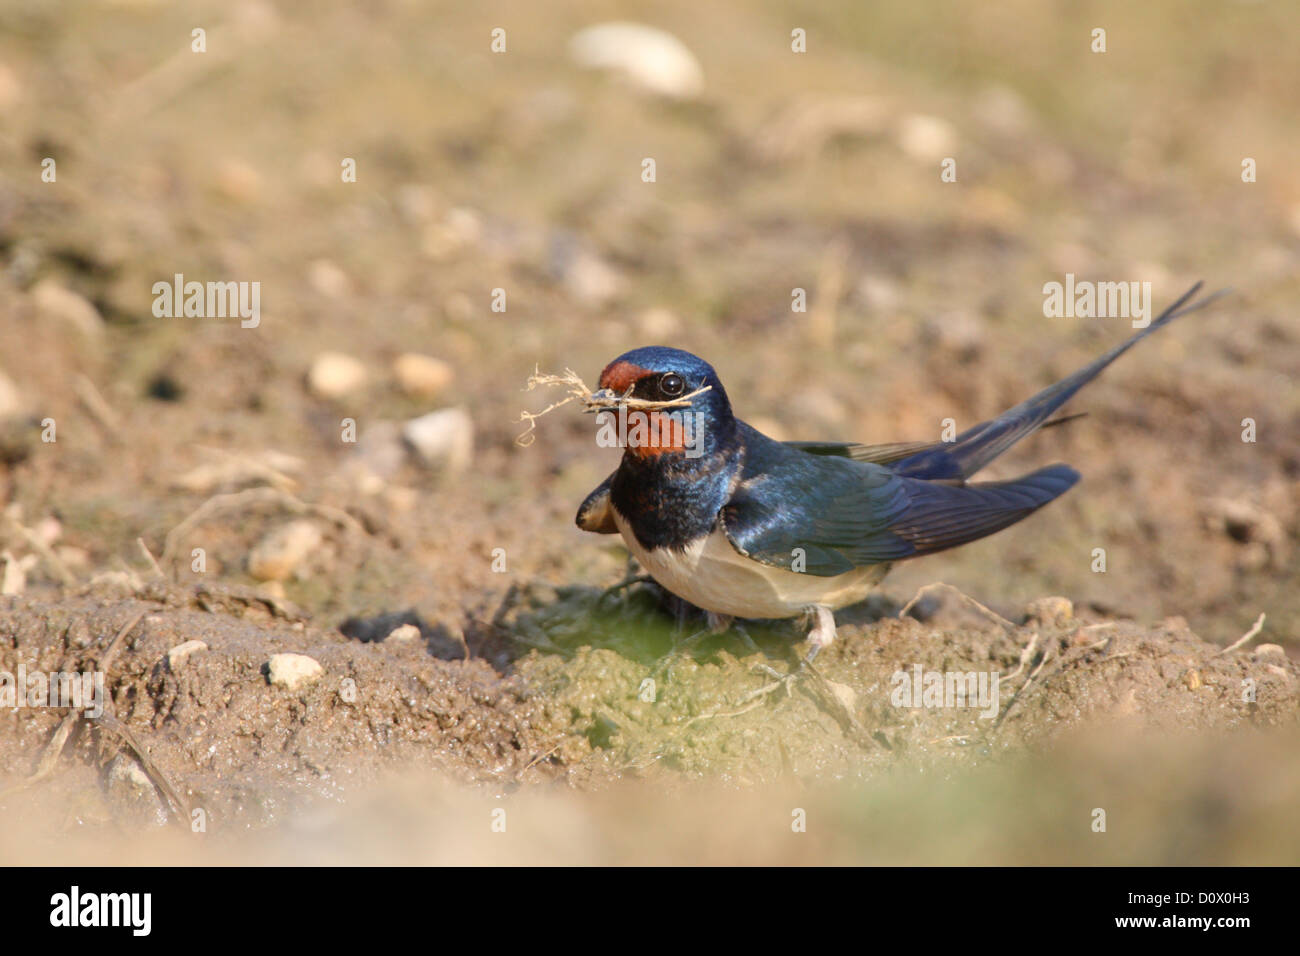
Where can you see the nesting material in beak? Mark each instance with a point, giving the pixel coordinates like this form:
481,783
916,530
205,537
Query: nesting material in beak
596,401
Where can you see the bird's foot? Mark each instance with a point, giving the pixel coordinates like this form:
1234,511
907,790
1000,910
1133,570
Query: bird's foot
718,624
821,635
780,681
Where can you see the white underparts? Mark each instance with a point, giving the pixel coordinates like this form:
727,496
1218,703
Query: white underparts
711,574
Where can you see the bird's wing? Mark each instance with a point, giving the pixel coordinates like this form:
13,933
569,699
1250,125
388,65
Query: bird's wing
829,515
977,446
890,452
877,454
595,513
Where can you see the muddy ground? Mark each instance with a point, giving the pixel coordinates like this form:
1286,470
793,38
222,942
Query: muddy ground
1149,724
186,448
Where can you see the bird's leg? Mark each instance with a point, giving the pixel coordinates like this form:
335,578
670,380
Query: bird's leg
822,632
721,624
630,577
745,639
717,624
820,635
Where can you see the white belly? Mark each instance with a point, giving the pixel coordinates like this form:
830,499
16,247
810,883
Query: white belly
713,575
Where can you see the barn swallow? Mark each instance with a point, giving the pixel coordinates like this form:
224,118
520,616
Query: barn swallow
745,526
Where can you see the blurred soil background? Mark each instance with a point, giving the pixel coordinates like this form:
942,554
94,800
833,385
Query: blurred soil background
467,657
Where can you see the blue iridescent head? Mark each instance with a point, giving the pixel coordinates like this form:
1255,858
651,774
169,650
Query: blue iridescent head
661,374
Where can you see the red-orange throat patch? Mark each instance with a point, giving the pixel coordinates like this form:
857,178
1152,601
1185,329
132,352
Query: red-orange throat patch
657,433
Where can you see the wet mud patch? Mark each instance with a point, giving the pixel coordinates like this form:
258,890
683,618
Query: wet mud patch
716,711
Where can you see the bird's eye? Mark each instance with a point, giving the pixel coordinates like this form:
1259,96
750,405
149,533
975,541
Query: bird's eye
672,384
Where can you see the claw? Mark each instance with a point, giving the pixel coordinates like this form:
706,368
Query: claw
780,681
820,635
665,664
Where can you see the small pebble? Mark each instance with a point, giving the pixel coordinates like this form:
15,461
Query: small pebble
926,138
182,652
278,554
13,579
11,402
56,303
130,785
333,375
238,181
652,60
404,634
443,439
293,671
422,376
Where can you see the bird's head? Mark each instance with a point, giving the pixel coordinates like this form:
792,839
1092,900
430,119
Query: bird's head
691,411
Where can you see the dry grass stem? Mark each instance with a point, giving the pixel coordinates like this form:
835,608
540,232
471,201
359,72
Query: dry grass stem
578,389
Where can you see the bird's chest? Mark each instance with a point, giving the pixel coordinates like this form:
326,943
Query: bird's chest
670,524
698,571
663,511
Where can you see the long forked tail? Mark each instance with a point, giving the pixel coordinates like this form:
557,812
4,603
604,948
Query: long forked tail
979,445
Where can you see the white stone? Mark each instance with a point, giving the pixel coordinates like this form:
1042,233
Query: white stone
55,302
11,402
407,632
653,60
333,375
293,671
182,652
926,138
13,579
444,438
